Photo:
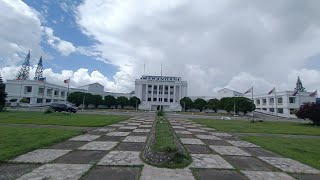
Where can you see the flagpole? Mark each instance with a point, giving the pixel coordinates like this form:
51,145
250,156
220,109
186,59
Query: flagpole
68,90
44,90
276,101
252,104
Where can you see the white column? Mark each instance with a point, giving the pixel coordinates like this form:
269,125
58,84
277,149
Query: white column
163,92
174,93
146,92
152,92
157,92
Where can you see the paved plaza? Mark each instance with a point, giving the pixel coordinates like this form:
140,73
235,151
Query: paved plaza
113,152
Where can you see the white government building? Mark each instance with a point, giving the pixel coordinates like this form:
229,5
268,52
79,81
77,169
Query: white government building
284,104
160,92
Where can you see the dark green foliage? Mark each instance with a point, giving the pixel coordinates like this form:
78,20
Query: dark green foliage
213,104
48,110
76,98
24,100
3,95
96,100
310,111
134,101
186,103
160,113
109,101
241,104
122,101
199,104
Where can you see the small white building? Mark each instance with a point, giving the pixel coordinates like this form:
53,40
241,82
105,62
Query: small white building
35,92
284,104
156,92
39,93
225,92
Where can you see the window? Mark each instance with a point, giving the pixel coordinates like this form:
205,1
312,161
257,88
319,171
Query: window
155,87
48,100
279,100
271,101
149,92
41,91
39,100
271,109
56,93
293,111
264,101
280,110
155,92
149,99
28,89
49,92
62,93
149,85
165,99
154,99
292,100
160,99
264,109
171,93
55,100
258,101
171,100
165,92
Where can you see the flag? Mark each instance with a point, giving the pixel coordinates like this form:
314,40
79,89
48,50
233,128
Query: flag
42,79
249,91
272,91
314,93
67,81
295,93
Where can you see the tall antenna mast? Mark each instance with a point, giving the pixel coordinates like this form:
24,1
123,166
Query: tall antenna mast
161,68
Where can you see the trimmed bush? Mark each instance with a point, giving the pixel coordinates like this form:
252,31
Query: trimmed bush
310,111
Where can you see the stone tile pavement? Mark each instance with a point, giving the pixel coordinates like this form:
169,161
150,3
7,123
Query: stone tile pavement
112,152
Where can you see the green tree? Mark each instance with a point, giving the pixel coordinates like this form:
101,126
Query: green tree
199,104
109,101
3,94
134,101
122,101
244,104
76,98
96,100
186,103
213,104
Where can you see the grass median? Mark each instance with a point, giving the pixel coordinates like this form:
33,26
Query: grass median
271,127
63,119
18,140
303,150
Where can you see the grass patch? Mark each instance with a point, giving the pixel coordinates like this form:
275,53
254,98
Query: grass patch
261,127
64,119
18,140
164,140
303,150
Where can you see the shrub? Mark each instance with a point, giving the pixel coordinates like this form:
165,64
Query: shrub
160,113
24,100
310,111
48,110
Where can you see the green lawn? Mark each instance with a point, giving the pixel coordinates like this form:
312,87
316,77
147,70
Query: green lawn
64,119
303,150
164,141
261,127
19,140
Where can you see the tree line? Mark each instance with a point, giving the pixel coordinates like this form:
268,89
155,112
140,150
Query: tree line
241,104
79,98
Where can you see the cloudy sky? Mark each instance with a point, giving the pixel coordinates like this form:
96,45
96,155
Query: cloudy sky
211,44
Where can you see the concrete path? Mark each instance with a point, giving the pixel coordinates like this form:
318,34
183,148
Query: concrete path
112,152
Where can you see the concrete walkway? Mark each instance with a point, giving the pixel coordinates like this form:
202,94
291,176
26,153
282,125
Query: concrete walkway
112,152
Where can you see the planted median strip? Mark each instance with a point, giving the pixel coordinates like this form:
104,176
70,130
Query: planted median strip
163,148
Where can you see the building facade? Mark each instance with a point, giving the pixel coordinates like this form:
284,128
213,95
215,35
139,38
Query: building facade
284,104
39,93
160,92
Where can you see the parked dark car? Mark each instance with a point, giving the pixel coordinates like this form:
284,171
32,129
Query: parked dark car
63,107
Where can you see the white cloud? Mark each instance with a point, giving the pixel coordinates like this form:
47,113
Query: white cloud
78,77
64,47
209,43
20,31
